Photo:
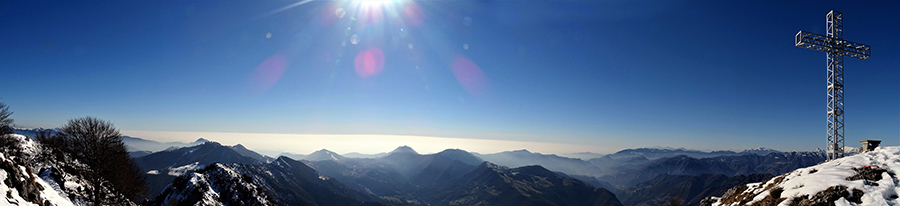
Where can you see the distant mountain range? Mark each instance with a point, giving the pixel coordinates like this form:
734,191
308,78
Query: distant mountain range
136,146
209,173
360,155
188,175
554,162
406,177
656,153
772,163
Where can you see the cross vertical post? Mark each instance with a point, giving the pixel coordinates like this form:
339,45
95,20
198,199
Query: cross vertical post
835,48
835,81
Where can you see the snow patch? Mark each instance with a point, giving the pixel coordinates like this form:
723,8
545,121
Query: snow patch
178,171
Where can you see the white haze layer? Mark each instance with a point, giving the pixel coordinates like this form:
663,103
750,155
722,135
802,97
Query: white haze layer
273,144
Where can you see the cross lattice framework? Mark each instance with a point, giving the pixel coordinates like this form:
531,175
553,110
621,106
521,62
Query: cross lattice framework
836,48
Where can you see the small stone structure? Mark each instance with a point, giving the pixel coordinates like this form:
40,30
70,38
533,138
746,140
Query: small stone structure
869,145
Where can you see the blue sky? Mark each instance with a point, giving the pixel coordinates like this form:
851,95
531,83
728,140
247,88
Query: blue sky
611,74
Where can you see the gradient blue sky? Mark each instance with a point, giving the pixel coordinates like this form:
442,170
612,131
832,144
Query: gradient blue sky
705,75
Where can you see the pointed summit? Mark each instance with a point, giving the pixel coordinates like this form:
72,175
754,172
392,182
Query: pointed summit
239,146
200,141
520,152
323,155
404,149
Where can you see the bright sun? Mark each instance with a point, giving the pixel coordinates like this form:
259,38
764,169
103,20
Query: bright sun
369,3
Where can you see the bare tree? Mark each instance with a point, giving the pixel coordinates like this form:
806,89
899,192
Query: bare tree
99,144
5,121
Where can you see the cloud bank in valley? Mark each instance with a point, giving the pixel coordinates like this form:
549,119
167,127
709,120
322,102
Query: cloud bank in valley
362,143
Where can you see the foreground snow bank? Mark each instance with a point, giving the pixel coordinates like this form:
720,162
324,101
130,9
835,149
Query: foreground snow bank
862,179
21,186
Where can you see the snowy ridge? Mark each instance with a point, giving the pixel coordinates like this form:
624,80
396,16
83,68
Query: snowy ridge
48,193
862,179
31,175
216,184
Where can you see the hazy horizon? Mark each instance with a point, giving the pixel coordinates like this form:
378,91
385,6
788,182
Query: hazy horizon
274,144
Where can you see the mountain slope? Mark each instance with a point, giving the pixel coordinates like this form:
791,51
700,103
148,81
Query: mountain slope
691,189
282,182
456,177
164,166
862,179
400,171
656,153
204,154
361,155
364,175
553,162
323,155
294,181
773,163
139,144
490,184
216,184
240,149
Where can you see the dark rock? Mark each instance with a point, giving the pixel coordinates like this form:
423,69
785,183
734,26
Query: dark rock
708,201
823,198
870,173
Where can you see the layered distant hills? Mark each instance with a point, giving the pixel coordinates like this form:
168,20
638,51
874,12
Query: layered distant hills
189,175
643,176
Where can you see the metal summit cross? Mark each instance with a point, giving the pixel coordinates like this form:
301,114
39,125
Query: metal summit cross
836,48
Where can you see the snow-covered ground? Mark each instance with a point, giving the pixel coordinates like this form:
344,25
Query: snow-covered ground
216,185
49,193
29,175
863,179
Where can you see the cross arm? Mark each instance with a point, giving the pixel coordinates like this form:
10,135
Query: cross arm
824,43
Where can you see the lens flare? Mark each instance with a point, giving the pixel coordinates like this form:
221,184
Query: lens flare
354,39
413,15
369,63
470,76
268,73
339,12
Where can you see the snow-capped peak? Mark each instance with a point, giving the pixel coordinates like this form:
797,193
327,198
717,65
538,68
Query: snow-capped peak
863,179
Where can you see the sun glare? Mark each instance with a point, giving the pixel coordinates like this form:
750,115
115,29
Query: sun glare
371,3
